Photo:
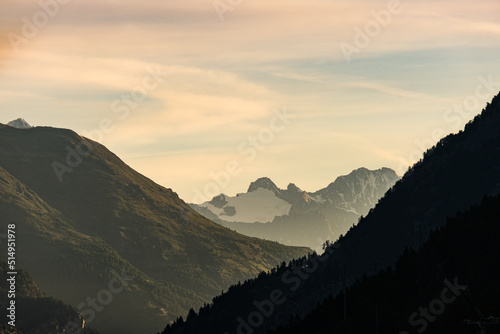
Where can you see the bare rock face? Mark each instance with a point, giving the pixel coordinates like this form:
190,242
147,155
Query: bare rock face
293,216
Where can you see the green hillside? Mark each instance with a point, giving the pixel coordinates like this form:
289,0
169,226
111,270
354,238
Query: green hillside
35,312
103,220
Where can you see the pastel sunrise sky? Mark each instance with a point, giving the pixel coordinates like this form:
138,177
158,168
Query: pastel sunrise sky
224,69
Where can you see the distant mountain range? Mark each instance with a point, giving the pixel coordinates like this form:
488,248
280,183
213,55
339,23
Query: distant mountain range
295,217
453,176
129,254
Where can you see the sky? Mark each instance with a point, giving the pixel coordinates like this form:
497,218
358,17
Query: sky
206,96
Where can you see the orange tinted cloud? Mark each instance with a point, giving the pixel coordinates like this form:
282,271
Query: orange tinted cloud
5,50
12,14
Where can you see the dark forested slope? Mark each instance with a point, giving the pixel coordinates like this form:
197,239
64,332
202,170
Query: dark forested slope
452,176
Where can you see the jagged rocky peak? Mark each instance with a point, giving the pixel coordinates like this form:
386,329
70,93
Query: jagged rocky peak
19,123
292,194
360,173
292,188
382,171
219,201
389,172
263,182
363,175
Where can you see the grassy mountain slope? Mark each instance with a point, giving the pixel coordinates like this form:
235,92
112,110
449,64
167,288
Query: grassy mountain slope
36,313
103,218
74,266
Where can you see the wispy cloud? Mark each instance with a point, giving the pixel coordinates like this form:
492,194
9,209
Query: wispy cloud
223,79
388,89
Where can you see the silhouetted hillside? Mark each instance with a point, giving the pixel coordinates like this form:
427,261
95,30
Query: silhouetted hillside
465,252
453,175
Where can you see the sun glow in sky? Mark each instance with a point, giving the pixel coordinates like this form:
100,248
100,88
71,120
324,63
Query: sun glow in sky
299,91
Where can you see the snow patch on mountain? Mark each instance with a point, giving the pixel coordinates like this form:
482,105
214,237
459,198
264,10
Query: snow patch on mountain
260,205
19,123
354,194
